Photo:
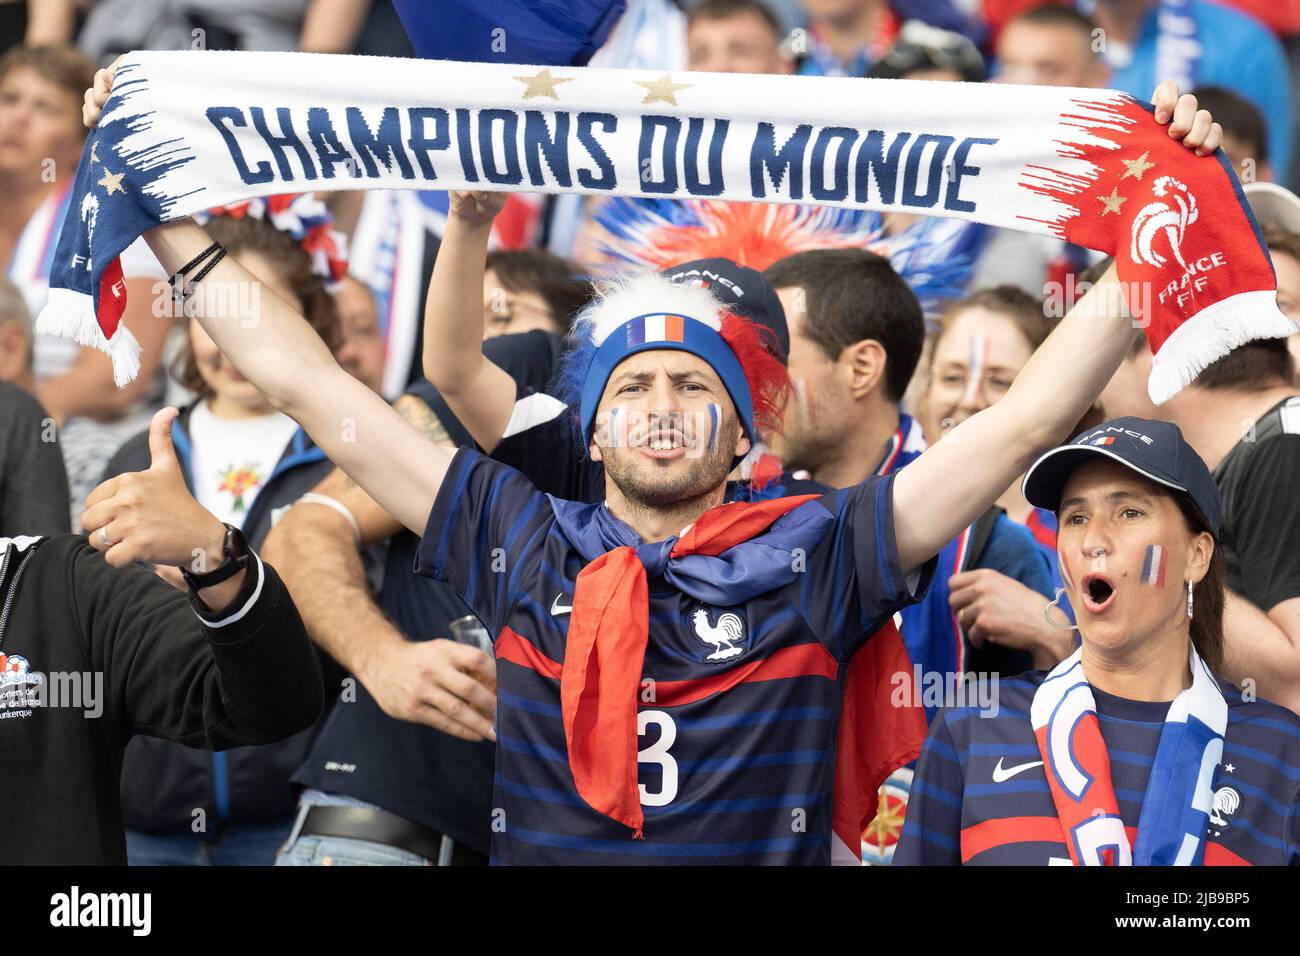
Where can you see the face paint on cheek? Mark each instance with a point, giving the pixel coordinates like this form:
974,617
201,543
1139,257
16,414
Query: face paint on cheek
1153,566
979,353
715,423
801,399
617,430
1065,572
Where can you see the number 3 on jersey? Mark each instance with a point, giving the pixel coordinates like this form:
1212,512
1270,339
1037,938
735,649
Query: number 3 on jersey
657,752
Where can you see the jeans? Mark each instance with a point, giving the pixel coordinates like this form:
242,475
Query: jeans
339,851
240,844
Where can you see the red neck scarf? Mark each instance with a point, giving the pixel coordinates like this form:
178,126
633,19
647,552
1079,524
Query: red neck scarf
605,653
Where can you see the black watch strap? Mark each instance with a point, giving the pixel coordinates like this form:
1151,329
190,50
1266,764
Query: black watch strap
237,557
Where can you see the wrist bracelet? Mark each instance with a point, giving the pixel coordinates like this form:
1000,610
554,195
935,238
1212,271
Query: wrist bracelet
217,257
185,286
193,263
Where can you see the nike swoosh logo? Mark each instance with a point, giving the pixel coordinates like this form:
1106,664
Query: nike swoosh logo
557,608
1000,774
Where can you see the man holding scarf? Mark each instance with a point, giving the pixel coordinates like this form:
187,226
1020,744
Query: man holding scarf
634,631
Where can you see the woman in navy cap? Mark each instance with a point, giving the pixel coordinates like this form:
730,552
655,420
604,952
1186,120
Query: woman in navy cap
1131,751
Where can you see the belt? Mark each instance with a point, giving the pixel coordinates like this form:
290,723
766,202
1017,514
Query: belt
380,826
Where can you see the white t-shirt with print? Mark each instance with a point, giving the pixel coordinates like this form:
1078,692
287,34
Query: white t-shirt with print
232,459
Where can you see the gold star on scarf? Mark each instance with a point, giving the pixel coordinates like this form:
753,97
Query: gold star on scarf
112,182
1136,167
662,90
1112,202
543,84
93,157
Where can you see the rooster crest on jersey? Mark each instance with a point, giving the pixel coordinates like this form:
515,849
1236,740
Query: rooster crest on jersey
725,635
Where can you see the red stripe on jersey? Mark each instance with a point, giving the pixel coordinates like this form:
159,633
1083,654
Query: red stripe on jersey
802,660
513,648
994,833
1217,855
1008,830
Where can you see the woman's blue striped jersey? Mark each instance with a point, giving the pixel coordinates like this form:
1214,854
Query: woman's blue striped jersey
980,794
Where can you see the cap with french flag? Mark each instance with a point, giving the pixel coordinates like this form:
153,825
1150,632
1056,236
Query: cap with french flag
1154,449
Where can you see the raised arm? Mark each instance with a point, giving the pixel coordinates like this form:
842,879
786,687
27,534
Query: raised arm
939,494
275,349
480,394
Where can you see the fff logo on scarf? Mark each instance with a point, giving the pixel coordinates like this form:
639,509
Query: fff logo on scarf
694,431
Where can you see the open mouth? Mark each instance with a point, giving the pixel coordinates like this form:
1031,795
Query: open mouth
1098,593
667,443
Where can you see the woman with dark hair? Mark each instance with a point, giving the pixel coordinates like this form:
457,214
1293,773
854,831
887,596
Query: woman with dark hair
246,463
528,289
1131,751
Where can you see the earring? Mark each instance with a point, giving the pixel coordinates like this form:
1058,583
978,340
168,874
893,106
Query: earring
1047,613
1189,599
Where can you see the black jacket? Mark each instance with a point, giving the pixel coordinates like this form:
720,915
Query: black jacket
33,481
147,661
163,784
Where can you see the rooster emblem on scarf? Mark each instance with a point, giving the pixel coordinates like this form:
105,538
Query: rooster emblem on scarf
1169,218
724,636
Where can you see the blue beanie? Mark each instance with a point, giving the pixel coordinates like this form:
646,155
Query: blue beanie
658,330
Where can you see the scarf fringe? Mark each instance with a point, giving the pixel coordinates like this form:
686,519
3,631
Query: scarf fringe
1211,334
71,315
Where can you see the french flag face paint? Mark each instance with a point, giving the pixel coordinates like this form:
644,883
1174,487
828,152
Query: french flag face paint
1153,566
715,422
979,356
617,430
1065,572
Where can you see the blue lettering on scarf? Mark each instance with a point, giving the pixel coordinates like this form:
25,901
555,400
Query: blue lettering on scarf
952,199
419,142
587,137
844,137
465,146
540,145
672,128
330,150
218,116
871,158
911,171
763,154
287,138
695,130
509,119
381,144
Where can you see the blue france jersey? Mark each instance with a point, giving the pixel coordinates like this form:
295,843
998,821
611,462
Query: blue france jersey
980,795
739,706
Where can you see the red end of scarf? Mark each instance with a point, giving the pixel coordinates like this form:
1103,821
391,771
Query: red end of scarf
603,659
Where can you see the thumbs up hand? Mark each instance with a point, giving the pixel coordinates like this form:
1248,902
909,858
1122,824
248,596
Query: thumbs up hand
151,515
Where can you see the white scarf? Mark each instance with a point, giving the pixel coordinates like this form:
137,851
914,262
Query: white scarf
184,131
